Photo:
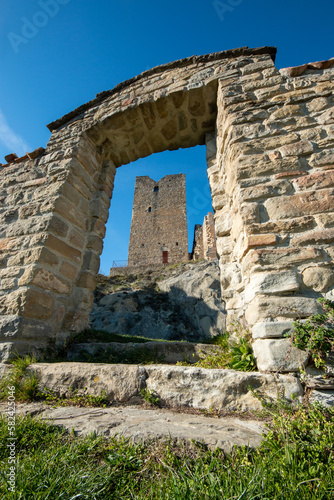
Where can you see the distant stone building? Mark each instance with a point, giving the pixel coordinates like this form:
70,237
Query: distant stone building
204,246
159,221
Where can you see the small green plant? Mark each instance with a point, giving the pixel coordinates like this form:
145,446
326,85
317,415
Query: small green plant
25,381
316,333
236,354
242,357
151,397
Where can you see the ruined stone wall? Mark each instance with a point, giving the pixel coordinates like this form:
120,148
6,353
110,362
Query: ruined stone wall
209,237
204,246
197,250
159,221
269,138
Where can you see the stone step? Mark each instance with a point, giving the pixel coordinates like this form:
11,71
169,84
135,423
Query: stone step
142,425
166,352
224,390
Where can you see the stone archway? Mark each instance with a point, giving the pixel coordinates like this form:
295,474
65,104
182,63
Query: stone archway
266,155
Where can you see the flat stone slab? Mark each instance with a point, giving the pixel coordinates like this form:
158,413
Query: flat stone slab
142,425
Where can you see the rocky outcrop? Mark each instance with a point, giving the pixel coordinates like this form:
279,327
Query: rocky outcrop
185,304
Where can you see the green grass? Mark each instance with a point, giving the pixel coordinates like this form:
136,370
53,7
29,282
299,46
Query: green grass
295,461
23,382
91,335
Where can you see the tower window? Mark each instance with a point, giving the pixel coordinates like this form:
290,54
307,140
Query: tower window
177,243
156,189
149,209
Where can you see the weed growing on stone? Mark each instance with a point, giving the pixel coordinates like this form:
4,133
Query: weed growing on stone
236,354
294,461
316,333
150,397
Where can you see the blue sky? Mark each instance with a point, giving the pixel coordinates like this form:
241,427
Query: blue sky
57,54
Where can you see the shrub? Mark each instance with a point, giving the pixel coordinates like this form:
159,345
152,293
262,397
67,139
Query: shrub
316,333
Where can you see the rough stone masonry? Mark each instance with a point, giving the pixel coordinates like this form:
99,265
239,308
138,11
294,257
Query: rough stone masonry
270,157
159,221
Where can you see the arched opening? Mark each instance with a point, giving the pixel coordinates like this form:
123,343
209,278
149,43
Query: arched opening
191,162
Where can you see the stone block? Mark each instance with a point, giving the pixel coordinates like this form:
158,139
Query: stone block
299,204
259,240
37,304
120,382
323,158
318,278
275,308
70,212
76,239
272,329
87,280
262,165
50,281
278,258
9,326
297,149
317,180
314,237
267,190
47,257
278,355
223,224
283,226
58,227
325,220
91,262
10,350
69,270
226,390
325,398
271,284
63,248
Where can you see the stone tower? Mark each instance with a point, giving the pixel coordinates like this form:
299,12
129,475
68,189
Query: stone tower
159,221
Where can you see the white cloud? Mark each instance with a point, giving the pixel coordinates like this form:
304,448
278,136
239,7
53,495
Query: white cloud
13,142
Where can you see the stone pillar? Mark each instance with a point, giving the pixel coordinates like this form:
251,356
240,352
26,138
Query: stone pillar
58,221
273,198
